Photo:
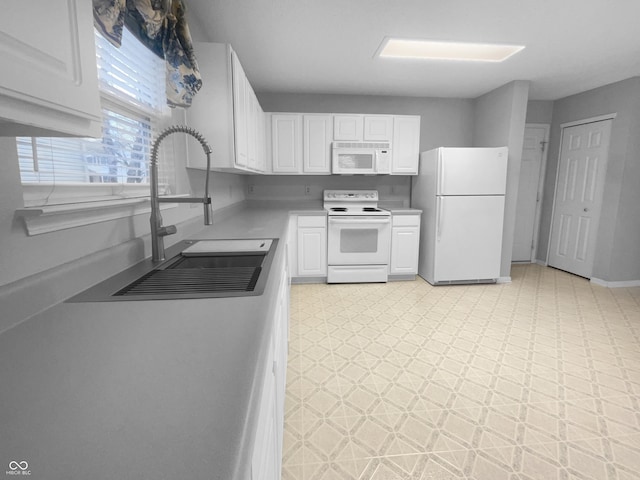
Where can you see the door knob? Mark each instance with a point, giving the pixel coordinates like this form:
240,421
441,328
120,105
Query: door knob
586,209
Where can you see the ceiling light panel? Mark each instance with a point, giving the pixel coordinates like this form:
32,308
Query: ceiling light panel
433,50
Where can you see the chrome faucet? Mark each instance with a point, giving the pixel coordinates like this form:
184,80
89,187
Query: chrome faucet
158,232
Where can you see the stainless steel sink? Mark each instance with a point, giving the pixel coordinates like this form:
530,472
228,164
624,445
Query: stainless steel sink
201,269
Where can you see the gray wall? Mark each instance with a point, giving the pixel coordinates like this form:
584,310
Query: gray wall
499,121
539,111
618,241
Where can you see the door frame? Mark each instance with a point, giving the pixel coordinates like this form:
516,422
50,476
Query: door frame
543,170
597,118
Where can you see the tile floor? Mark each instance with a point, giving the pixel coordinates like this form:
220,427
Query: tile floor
536,379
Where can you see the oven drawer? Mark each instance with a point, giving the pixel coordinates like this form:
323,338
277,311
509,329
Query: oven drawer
357,273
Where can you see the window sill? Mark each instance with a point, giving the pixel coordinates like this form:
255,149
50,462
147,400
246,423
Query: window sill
52,218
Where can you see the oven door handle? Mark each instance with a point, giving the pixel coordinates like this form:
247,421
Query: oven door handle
356,220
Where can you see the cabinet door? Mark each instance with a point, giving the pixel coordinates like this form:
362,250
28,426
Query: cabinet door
264,462
261,143
404,250
312,251
318,133
405,145
212,113
281,333
240,112
252,131
378,128
347,127
49,84
286,143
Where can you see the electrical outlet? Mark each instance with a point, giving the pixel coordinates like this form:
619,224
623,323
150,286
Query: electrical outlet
307,189
250,189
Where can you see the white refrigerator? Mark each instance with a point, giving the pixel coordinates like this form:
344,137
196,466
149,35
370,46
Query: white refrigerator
461,192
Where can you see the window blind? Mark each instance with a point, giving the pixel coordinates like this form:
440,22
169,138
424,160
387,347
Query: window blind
132,88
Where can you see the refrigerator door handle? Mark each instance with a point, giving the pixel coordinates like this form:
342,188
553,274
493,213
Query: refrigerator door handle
439,217
440,174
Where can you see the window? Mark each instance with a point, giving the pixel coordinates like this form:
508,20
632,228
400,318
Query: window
72,170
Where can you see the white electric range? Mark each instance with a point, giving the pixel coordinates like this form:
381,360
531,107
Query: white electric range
358,237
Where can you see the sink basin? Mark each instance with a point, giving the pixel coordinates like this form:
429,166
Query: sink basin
216,261
200,269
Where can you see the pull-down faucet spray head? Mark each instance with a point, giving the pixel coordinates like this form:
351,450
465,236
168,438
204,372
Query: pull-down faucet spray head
158,232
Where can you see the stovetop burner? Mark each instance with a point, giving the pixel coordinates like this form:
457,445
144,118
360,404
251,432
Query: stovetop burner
353,202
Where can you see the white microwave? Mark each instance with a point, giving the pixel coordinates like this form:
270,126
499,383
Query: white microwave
368,158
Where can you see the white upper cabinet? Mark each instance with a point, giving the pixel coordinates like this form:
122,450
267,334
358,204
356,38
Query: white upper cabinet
301,143
378,128
286,143
49,84
348,127
317,137
227,112
405,146
368,128
241,107
261,139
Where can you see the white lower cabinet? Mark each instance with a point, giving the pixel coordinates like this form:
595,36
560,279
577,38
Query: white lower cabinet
405,245
312,246
266,460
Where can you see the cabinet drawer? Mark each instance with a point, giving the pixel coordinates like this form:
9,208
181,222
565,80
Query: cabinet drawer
406,220
312,221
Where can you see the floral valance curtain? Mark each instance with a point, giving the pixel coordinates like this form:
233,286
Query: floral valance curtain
161,25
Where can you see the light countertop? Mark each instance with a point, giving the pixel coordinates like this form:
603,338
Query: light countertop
404,211
144,389
149,389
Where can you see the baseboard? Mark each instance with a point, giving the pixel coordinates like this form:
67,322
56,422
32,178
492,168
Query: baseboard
401,278
307,280
503,280
541,262
618,284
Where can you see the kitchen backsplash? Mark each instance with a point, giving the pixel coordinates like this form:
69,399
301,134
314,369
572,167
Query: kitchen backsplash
392,188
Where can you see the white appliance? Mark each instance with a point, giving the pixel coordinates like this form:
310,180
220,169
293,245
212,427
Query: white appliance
368,158
462,194
358,237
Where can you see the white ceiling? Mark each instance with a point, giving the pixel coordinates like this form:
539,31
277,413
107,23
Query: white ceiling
328,46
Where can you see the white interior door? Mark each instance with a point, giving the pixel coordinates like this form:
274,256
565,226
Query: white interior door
578,198
533,150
